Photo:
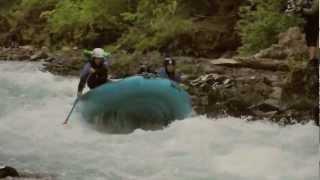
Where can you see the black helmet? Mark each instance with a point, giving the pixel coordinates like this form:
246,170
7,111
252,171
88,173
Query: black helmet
169,61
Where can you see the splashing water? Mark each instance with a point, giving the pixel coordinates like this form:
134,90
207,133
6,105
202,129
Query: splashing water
34,104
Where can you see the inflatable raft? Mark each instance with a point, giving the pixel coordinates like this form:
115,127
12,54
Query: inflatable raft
145,102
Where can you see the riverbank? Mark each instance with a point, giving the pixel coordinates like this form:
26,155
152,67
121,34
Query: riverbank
276,84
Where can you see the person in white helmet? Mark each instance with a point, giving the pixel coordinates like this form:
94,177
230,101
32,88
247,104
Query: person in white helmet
95,72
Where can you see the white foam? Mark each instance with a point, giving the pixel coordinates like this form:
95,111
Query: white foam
34,105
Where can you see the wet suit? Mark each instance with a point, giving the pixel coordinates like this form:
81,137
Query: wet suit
99,77
172,76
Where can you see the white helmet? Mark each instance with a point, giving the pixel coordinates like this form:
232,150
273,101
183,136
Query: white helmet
98,53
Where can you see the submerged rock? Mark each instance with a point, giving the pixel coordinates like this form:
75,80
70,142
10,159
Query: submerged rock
7,171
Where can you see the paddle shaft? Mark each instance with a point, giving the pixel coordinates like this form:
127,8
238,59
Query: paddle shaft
74,105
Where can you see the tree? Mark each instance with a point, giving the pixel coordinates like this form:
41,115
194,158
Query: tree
261,22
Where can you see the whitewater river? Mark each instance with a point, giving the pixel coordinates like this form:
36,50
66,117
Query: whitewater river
33,105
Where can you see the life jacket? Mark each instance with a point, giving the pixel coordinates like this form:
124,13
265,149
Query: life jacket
101,70
172,76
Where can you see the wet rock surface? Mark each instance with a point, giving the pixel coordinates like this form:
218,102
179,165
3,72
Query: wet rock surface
10,173
7,171
278,84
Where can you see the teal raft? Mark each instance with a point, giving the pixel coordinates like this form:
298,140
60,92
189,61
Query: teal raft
146,102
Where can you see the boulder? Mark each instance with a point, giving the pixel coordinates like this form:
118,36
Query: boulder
7,171
225,62
261,114
252,63
27,48
301,90
291,44
38,55
267,106
276,93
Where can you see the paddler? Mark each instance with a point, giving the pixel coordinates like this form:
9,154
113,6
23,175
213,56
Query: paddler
169,71
95,72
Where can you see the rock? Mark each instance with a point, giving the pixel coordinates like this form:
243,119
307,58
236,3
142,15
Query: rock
291,44
276,93
210,80
301,93
274,80
261,114
22,58
208,69
241,85
38,55
204,100
227,81
27,48
64,63
45,50
7,171
267,106
66,49
49,59
253,63
274,52
295,84
264,64
237,107
185,77
228,54
225,62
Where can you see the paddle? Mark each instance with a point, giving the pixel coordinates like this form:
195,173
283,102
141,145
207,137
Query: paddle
74,105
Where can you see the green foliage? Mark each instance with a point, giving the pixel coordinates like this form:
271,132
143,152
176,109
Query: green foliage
6,5
78,14
155,24
87,20
124,63
26,21
30,4
33,8
261,22
130,25
180,26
